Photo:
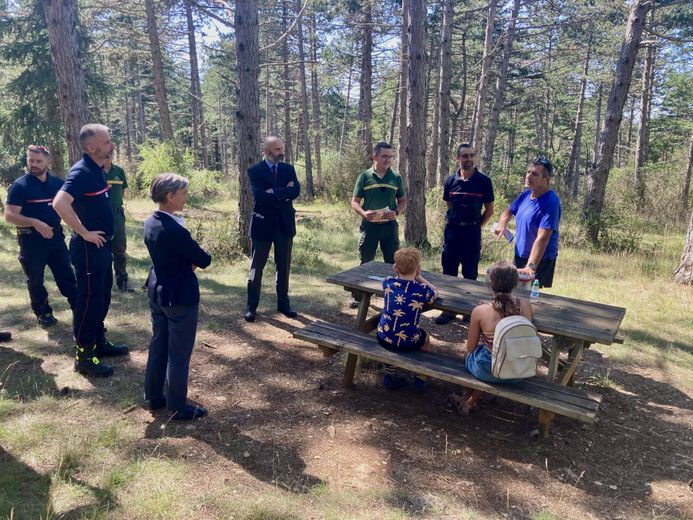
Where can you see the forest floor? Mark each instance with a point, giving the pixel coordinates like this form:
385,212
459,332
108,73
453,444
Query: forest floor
285,441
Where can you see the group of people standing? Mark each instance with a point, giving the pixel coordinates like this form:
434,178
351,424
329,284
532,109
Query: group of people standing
90,202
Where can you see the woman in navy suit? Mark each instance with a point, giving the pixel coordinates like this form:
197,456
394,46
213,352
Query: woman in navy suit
174,298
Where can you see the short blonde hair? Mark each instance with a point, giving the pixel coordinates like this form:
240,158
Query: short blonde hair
407,260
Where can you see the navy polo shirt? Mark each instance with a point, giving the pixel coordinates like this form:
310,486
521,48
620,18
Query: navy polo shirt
36,197
467,197
86,183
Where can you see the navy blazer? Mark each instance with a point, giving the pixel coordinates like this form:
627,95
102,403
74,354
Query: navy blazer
171,280
273,212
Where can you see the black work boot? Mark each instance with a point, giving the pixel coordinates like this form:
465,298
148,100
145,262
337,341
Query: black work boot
88,364
108,349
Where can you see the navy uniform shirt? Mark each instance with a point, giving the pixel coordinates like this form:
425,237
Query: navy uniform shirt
467,197
86,183
36,197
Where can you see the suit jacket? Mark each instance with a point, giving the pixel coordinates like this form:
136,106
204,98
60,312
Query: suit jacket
273,212
172,280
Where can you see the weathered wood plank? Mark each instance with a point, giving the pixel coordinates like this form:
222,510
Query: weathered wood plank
567,401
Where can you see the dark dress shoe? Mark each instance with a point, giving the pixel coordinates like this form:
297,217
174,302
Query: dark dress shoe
190,412
249,316
289,313
157,404
46,320
5,336
108,349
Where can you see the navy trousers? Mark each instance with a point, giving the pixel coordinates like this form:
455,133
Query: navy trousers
282,261
461,245
168,364
118,247
35,253
94,280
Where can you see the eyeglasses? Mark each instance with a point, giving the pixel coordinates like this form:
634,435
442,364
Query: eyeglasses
545,163
37,148
467,155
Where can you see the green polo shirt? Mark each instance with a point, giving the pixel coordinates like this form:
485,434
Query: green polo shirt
379,193
115,178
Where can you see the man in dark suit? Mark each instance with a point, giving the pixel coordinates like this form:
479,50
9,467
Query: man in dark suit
274,186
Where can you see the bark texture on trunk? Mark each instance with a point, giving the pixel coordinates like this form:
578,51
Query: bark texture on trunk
365,133
572,175
403,90
499,98
415,232
158,72
61,19
687,181
305,115
248,109
315,92
596,180
287,90
444,80
684,272
198,120
482,88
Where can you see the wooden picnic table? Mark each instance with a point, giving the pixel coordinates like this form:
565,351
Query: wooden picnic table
574,324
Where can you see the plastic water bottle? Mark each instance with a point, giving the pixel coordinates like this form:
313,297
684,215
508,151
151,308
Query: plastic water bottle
534,292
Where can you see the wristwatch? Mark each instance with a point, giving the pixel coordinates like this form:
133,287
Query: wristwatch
532,266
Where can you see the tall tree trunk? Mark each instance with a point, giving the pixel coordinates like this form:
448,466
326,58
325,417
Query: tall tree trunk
158,72
305,115
687,181
61,19
480,105
572,174
432,91
287,89
684,272
365,133
199,134
315,91
598,124
596,181
501,83
444,79
403,89
129,124
55,140
345,117
415,231
393,121
457,118
642,146
248,108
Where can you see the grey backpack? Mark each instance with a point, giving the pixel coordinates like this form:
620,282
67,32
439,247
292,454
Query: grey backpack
516,348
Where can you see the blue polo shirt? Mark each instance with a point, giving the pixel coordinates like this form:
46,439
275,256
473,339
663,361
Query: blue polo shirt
36,197
86,183
531,215
467,197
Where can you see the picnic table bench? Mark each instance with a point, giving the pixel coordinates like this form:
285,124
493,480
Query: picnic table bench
574,324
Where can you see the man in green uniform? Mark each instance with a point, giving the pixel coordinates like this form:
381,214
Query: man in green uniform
115,177
379,199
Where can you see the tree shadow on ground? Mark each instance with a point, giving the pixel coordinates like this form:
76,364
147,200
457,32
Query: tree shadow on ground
658,342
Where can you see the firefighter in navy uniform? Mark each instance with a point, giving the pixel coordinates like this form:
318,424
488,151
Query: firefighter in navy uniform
39,233
83,205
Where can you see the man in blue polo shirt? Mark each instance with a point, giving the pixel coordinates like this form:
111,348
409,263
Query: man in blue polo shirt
468,194
537,212
83,205
39,233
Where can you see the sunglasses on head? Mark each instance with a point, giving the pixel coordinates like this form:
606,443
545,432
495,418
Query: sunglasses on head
545,163
37,148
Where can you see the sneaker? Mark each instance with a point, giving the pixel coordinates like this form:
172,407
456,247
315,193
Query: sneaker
125,287
420,384
92,367
108,349
46,320
190,412
392,380
445,317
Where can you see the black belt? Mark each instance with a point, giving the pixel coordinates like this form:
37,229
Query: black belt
31,231
464,224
